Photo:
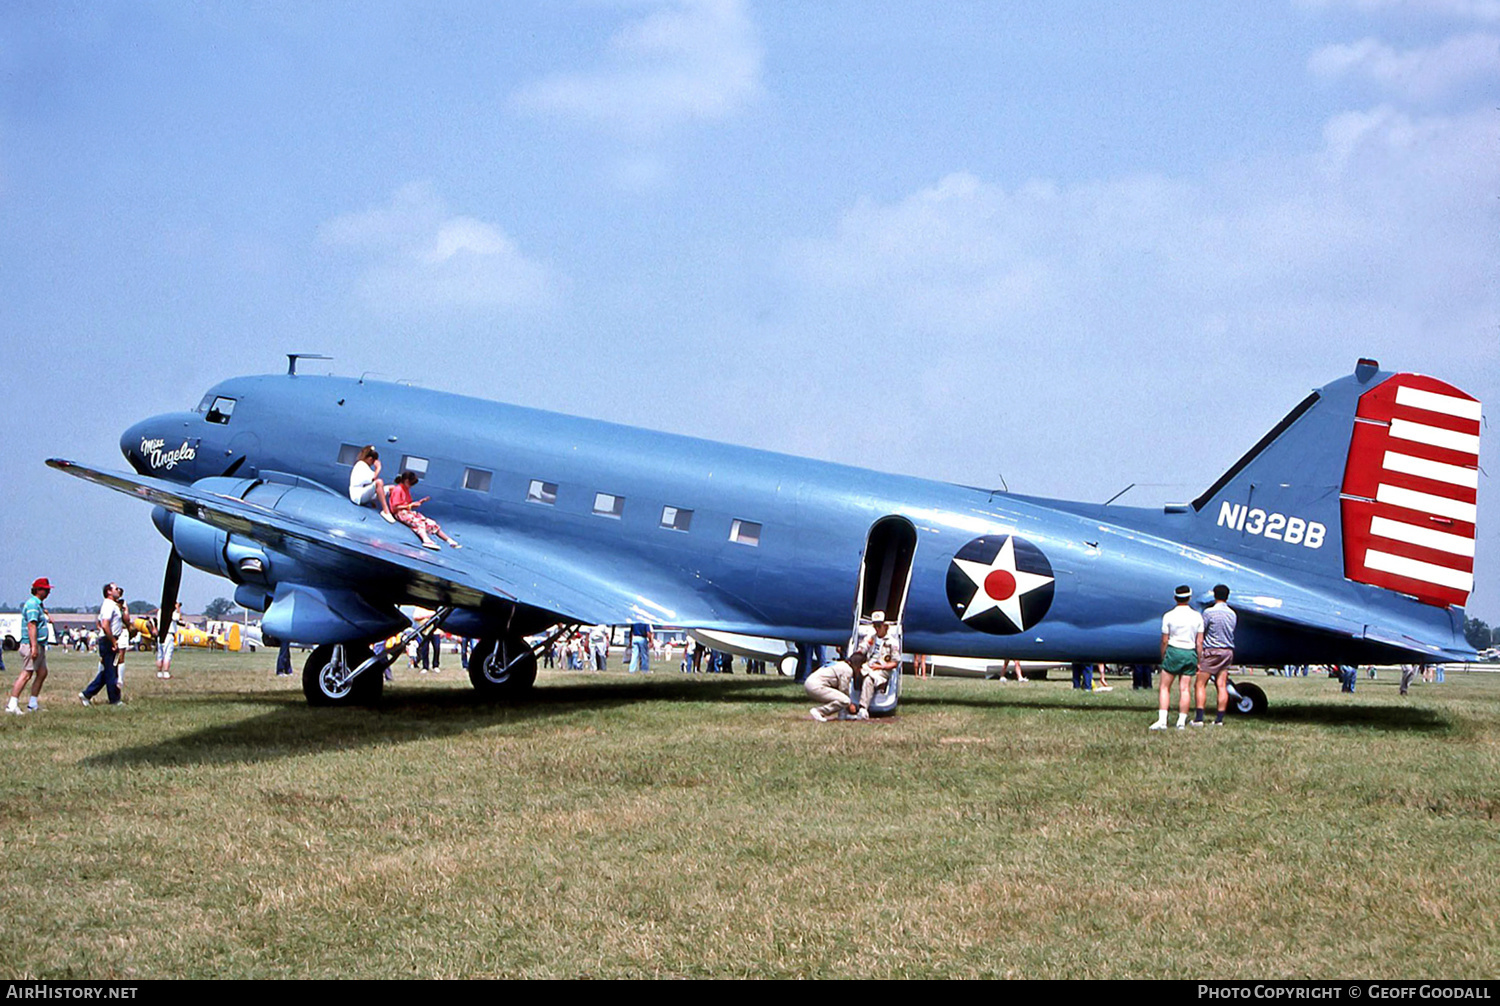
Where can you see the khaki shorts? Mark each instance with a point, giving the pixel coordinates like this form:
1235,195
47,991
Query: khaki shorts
1216,661
31,663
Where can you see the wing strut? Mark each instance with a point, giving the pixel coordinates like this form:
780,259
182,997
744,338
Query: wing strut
339,677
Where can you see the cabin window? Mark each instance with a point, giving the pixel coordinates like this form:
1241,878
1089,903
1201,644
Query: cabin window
607,505
220,410
676,519
542,492
349,453
746,532
415,465
477,479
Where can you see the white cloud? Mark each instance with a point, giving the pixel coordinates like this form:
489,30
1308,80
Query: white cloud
416,256
1422,74
1001,300
690,60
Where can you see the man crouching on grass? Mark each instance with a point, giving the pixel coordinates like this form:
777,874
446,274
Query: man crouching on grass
1181,651
831,683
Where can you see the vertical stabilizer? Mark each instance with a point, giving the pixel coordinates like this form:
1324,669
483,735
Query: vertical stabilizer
1372,478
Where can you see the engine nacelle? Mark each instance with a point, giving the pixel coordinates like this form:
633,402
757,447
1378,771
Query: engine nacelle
243,560
327,615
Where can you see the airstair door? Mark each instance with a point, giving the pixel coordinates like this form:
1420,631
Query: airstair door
885,571
884,580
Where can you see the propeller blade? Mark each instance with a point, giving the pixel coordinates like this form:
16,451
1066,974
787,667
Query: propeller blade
171,580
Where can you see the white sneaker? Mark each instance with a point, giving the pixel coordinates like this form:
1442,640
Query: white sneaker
818,714
388,518
1157,726
83,699
12,707
863,714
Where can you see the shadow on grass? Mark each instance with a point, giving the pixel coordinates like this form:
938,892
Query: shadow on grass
1378,717
291,728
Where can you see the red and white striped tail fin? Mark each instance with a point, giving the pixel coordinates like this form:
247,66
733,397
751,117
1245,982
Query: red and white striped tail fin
1410,488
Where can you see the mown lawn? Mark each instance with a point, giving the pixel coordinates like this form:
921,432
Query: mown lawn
618,826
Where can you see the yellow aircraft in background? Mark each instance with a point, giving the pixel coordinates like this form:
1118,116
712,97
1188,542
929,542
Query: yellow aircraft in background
218,636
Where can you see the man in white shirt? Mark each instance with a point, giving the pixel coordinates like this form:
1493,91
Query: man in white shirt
1181,651
166,643
111,622
599,644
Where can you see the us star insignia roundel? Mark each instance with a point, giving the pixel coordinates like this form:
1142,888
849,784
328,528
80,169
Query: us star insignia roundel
1000,584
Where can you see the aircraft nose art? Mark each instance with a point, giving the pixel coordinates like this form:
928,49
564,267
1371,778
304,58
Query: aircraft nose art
1000,584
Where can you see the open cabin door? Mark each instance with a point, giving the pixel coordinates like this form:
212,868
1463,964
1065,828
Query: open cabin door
885,572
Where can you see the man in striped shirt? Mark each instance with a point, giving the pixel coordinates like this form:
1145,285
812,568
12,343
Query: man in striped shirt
1219,621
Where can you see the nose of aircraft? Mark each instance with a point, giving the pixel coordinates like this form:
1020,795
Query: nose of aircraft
155,446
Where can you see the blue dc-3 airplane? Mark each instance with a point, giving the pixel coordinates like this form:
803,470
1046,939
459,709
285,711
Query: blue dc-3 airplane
1346,534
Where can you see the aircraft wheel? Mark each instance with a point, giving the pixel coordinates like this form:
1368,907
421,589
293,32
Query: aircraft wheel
787,665
1252,701
488,672
324,662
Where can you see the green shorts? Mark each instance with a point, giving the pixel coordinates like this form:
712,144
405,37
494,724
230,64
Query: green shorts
1179,661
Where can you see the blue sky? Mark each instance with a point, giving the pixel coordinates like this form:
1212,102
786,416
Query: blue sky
1073,247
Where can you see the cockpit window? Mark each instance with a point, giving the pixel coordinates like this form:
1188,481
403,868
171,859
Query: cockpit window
221,409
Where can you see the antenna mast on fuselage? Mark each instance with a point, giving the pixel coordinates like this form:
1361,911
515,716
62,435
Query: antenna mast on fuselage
292,358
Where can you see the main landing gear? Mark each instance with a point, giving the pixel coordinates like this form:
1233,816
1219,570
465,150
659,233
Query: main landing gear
349,674
331,676
1246,699
502,668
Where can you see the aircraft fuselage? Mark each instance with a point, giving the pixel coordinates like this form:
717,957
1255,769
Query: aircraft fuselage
772,542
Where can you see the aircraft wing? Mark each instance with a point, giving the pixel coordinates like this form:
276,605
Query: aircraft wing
512,567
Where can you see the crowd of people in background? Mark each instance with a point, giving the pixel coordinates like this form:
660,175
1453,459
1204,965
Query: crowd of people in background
1196,653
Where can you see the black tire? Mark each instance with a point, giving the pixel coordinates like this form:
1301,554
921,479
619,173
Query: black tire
1252,701
488,671
362,691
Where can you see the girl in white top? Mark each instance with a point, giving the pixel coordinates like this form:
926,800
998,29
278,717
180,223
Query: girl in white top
364,482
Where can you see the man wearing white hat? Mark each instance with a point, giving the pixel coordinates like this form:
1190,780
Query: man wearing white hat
1181,652
882,650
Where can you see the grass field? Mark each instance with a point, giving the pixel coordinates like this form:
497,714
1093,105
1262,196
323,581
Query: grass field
613,826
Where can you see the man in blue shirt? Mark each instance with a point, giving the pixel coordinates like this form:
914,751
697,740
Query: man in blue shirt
640,648
1219,622
34,626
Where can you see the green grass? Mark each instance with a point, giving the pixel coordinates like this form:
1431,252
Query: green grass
624,826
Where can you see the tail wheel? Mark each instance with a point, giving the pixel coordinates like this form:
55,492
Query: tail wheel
501,668
322,676
1252,701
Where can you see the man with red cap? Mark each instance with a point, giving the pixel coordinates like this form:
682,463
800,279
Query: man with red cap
35,626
